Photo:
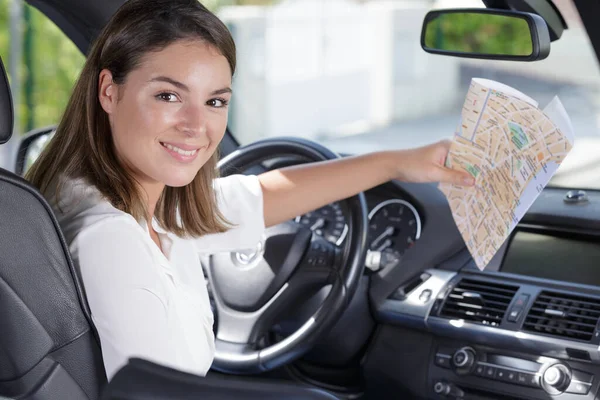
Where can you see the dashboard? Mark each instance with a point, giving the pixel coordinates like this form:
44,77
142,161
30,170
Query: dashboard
526,327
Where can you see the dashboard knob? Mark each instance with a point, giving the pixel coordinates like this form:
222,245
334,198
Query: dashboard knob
448,389
463,358
441,388
556,378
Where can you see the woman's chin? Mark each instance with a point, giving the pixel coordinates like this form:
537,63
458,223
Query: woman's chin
179,181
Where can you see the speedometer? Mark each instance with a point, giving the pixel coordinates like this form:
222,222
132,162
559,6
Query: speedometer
328,221
394,225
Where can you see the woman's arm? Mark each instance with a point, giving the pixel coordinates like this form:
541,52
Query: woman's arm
292,191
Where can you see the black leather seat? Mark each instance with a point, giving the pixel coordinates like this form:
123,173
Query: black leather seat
48,347
142,380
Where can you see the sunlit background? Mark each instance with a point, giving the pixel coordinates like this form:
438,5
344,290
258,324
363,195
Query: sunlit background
348,73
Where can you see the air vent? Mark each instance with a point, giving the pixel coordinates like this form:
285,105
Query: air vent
563,315
478,301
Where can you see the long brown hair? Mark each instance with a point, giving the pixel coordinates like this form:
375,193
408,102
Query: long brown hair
82,146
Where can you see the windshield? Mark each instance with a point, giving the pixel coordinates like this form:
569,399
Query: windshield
351,74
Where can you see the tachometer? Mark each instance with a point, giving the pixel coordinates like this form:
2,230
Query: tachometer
394,225
328,221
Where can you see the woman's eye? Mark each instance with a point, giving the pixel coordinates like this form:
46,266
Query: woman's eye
217,103
167,97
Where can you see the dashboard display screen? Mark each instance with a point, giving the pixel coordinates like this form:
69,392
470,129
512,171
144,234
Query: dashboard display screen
553,257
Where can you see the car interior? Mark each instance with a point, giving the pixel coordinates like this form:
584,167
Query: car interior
347,312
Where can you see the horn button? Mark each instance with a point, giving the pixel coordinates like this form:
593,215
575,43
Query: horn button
245,280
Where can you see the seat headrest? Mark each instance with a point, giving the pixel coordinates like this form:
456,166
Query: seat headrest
6,107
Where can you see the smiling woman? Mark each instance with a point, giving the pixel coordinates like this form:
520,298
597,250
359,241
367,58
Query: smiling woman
131,175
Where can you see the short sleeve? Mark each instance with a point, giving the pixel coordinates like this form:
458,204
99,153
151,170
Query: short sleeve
240,200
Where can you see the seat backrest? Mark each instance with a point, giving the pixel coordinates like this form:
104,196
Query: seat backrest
48,346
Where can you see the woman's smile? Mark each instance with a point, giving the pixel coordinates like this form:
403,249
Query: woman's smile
182,153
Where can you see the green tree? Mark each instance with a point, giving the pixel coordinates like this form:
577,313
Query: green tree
479,33
48,70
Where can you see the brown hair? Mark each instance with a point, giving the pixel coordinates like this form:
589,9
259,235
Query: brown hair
82,146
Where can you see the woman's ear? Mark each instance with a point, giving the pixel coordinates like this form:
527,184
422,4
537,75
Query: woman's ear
107,91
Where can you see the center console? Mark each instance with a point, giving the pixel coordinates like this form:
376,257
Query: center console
504,336
513,337
528,327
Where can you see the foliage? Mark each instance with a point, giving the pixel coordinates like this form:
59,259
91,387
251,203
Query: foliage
479,33
54,65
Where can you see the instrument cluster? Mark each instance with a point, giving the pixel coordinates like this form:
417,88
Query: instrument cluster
394,225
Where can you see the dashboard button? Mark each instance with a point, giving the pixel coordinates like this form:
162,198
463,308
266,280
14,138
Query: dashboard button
511,376
514,314
577,387
517,308
533,380
442,360
523,378
490,372
501,374
480,370
522,300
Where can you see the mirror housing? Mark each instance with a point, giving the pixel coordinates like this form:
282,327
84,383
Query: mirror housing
486,34
31,146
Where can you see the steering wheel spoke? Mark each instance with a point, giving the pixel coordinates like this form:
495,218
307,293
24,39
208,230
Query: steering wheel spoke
321,255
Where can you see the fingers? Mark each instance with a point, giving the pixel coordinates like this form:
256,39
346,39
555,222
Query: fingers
461,178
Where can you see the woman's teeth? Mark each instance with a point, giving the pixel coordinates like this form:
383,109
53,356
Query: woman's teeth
180,151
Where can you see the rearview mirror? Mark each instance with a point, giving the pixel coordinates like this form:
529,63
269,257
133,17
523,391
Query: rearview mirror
486,33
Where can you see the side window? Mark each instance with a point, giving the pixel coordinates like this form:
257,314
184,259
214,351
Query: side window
42,63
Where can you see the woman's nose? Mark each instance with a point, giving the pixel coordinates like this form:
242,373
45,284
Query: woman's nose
194,121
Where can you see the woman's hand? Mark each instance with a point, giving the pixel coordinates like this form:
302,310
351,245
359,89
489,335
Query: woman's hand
426,164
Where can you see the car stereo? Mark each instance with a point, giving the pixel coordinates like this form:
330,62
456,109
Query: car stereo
553,376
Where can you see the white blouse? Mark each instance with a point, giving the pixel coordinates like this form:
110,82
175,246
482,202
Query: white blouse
146,303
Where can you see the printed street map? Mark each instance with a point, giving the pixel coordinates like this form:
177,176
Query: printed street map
512,148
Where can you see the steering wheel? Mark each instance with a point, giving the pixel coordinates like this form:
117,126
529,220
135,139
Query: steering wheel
251,288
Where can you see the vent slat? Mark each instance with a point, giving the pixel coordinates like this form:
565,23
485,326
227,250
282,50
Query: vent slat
574,299
479,302
545,305
563,315
490,289
546,320
498,297
567,331
537,313
462,313
488,305
566,308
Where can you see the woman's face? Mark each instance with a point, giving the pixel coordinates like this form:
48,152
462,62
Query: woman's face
170,114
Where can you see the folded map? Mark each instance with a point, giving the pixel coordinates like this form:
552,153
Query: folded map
512,148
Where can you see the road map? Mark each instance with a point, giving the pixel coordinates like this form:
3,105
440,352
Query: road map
512,148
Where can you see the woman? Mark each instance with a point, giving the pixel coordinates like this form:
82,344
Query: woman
131,176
